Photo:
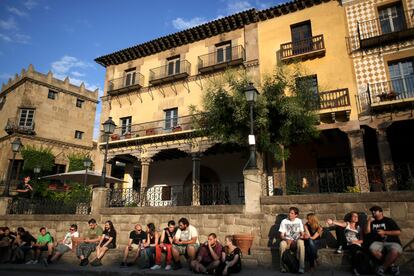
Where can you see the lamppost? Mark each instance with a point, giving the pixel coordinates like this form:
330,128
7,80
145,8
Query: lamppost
109,128
251,96
87,162
36,171
16,146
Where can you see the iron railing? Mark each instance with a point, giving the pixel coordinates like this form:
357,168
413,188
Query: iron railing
334,98
160,195
398,22
301,47
48,206
228,56
398,176
176,124
395,89
131,80
13,126
173,71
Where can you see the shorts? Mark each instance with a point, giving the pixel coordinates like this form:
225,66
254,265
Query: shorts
62,249
379,246
41,248
182,248
135,246
110,246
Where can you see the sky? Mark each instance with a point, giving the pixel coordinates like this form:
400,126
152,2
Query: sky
65,36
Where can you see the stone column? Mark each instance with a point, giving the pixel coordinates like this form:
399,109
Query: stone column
145,163
252,191
4,204
196,157
99,199
128,176
385,156
356,145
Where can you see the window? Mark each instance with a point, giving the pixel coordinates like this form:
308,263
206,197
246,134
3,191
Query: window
173,65
301,37
52,94
126,125
79,103
307,89
402,77
26,117
171,118
223,51
78,134
130,76
391,18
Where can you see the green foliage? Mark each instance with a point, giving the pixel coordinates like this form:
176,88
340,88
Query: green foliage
279,119
76,161
76,193
352,189
41,157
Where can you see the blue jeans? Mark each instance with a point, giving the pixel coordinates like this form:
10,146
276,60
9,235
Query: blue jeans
312,250
150,252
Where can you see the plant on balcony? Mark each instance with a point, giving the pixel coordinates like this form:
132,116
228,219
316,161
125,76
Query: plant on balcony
388,96
177,128
279,119
127,135
352,189
115,137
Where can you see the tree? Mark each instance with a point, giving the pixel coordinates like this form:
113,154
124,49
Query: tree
76,161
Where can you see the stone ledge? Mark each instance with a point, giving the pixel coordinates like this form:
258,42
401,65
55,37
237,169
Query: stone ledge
38,217
214,209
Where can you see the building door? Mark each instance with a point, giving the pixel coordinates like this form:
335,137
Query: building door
301,38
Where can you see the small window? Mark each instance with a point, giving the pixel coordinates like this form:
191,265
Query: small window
223,51
130,77
173,65
52,95
171,118
79,103
126,125
391,18
307,83
78,134
26,117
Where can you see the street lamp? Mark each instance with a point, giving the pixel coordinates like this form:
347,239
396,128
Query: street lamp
16,146
87,162
109,128
36,171
251,96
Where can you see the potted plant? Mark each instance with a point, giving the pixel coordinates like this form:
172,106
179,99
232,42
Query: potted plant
387,96
176,128
244,242
114,137
127,135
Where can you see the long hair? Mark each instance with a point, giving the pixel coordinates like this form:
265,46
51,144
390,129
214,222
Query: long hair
151,228
111,226
313,221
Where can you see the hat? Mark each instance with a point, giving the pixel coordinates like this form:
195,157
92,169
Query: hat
375,208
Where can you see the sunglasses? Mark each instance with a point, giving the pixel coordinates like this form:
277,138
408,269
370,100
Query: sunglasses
71,229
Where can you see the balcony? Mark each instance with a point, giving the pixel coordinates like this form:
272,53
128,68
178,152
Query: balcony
133,80
220,60
13,126
170,72
392,92
380,31
154,128
306,48
334,99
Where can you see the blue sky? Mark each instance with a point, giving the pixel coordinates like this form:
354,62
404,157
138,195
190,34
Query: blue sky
66,36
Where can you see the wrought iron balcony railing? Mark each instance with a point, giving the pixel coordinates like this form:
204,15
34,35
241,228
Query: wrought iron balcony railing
13,125
378,31
132,80
309,47
230,56
171,125
174,71
389,91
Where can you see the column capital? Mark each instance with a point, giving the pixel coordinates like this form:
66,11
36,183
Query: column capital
145,160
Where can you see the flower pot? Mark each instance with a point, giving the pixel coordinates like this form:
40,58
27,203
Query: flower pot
114,137
244,242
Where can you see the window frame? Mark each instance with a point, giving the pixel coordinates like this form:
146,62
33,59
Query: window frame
130,77
29,110
52,94
170,121
126,127
225,50
79,134
79,103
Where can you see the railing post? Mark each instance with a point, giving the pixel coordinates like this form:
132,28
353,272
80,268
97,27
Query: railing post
252,190
196,179
356,145
145,162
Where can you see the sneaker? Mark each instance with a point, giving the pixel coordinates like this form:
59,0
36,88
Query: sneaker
45,262
155,267
30,262
395,270
96,262
283,270
123,264
339,250
380,271
301,271
168,267
177,266
84,262
35,262
355,271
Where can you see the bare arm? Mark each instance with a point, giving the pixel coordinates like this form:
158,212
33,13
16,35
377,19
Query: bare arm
336,222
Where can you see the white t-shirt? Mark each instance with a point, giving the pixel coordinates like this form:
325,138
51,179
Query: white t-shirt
291,229
352,234
68,238
187,234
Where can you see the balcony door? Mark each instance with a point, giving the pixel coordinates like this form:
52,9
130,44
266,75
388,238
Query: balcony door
26,118
173,66
126,125
223,52
171,118
391,18
301,38
130,77
402,77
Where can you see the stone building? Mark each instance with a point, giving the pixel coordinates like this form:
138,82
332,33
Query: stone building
149,88
45,112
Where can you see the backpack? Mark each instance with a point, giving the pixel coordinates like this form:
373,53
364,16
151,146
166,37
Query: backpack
290,262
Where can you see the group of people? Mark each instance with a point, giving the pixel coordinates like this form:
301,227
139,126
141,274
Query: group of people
208,257
377,241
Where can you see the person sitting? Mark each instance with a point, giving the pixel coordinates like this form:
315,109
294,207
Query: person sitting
106,242
166,241
6,240
185,242
44,243
385,235
22,244
93,236
209,256
151,243
65,245
136,241
313,232
291,233
354,238
231,259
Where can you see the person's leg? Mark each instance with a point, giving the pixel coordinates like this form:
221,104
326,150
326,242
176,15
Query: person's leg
169,253
213,265
301,255
102,252
80,251
282,249
311,249
158,252
175,253
340,238
49,251
376,249
394,250
126,252
191,252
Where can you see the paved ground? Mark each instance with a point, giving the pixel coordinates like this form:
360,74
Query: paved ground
67,270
